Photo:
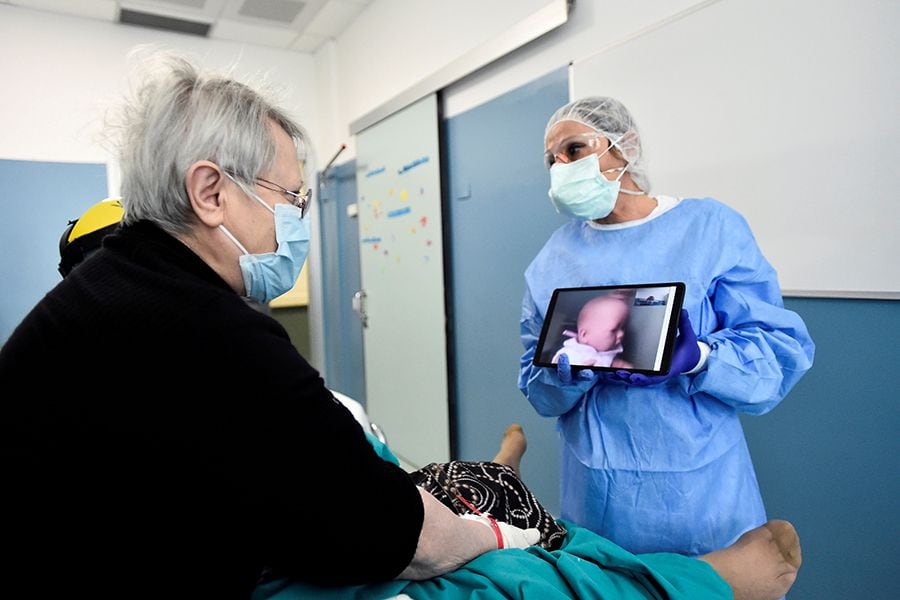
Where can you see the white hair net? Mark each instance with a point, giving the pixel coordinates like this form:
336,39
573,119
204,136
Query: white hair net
609,117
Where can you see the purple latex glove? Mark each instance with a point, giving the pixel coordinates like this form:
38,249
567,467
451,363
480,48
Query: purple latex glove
566,375
580,375
684,358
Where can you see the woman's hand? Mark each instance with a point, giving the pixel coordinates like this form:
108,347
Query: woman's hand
685,357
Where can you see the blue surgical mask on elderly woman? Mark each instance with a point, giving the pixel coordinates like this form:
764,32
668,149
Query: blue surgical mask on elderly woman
580,190
269,275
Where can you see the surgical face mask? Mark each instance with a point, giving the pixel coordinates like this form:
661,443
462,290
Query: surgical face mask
580,190
267,276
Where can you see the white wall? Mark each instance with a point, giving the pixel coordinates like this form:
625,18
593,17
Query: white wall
59,74
395,44
747,100
593,26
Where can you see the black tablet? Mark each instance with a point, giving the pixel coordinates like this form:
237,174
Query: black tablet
615,327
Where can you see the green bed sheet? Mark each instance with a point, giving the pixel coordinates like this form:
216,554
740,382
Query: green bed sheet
586,566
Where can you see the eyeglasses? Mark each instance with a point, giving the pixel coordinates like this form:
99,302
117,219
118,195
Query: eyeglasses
299,199
572,148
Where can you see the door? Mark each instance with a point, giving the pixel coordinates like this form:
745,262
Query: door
402,279
343,347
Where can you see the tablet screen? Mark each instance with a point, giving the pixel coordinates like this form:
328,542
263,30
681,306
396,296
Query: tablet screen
631,327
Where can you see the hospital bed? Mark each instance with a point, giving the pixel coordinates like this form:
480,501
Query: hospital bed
359,413
586,566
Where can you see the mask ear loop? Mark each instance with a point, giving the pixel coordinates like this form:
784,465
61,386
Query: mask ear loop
233,239
252,195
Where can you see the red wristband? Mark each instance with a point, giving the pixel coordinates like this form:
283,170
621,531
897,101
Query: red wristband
496,529
491,521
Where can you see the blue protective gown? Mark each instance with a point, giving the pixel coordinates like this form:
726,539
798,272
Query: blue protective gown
666,467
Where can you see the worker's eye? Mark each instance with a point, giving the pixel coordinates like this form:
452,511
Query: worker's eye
576,150
573,148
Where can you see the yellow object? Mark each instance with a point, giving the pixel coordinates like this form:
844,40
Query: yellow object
85,234
102,214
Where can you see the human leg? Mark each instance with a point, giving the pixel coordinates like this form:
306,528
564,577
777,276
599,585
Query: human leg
512,447
762,564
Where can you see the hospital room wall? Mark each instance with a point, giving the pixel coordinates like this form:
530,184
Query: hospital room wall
826,457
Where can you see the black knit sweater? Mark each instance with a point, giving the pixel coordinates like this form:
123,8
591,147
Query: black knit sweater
162,438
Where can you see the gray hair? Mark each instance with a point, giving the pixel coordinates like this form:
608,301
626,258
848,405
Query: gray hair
179,115
609,117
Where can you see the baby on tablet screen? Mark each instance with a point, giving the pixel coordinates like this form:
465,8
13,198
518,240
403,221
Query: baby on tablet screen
601,329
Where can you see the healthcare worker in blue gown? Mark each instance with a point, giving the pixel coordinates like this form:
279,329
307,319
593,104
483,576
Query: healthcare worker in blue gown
657,463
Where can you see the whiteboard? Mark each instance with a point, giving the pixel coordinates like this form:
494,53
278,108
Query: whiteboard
786,111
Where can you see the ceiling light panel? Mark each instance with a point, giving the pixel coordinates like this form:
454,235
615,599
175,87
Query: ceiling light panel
294,14
276,11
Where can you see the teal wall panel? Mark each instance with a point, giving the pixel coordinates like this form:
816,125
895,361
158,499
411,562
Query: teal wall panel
828,456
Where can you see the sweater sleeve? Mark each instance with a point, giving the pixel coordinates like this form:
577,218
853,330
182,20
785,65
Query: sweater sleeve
322,499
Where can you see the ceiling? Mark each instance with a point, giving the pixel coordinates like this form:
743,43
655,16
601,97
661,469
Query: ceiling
299,25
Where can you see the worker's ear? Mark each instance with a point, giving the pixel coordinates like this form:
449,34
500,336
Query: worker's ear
204,183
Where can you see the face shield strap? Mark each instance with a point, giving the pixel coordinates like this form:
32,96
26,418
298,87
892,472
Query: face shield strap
638,192
615,143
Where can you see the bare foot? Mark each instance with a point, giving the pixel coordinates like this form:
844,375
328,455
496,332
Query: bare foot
512,447
762,564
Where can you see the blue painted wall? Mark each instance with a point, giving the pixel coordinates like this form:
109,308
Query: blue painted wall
828,457
498,217
38,200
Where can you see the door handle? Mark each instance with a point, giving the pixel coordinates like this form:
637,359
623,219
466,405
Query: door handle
359,307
